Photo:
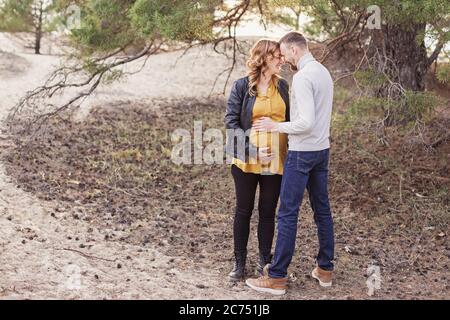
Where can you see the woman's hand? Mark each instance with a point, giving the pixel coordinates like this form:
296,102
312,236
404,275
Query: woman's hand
265,155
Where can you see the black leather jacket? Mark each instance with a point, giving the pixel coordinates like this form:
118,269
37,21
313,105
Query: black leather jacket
238,117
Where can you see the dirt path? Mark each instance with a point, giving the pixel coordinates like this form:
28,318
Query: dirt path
47,253
42,258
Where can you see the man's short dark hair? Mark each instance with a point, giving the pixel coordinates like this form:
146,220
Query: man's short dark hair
294,38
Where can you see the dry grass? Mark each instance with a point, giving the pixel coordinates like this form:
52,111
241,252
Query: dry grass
391,204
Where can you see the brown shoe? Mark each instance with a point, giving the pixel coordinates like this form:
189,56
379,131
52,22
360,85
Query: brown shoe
276,286
324,277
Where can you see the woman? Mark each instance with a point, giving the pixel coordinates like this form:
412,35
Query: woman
258,157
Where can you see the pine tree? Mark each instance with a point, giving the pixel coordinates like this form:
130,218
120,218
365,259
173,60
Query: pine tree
26,16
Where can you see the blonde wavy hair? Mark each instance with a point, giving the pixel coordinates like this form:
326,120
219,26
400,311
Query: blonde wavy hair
259,54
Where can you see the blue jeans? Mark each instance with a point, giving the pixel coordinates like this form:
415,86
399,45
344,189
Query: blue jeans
303,170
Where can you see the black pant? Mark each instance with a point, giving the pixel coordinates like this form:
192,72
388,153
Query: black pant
269,192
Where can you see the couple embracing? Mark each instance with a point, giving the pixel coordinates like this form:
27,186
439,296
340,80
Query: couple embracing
286,152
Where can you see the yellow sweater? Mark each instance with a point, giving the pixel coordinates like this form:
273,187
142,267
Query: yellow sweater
270,105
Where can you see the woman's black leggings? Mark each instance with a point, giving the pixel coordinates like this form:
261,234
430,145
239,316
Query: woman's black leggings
269,192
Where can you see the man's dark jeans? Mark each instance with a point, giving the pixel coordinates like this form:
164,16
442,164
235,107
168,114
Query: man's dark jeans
303,170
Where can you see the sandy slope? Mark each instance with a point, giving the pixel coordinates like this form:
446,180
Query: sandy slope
175,75
37,251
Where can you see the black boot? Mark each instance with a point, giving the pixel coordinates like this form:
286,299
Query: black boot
238,272
264,259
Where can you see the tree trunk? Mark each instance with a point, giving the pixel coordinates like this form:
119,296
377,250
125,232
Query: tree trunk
297,14
408,55
38,31
402,56
37,44
397,51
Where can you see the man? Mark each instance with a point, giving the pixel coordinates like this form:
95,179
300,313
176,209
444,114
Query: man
306,166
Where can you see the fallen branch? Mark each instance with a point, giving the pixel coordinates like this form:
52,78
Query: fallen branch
85,254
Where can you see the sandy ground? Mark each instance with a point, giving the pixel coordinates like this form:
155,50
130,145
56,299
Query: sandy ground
38,258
